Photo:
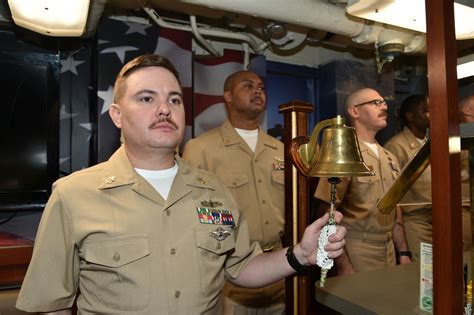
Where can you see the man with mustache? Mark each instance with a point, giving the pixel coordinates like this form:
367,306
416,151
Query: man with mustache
372,236
250,162
144,232
415,116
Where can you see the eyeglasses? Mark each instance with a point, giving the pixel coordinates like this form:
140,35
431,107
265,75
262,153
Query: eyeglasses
373,102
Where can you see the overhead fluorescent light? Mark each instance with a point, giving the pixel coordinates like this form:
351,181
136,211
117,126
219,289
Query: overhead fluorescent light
465,66
410,14
51,17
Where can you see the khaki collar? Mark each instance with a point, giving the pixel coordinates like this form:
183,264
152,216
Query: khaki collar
118,171
230,137
410,138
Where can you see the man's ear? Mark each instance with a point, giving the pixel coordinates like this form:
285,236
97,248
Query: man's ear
353,112
409,116
115,115
227,97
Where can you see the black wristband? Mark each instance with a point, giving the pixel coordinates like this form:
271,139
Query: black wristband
404,253
294,263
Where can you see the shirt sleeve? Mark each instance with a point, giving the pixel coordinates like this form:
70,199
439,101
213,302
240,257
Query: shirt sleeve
51,280
194,152
244,251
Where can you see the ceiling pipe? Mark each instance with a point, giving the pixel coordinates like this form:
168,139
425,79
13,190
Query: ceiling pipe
258,48
245,47
375,32
310,13
200,39
324,16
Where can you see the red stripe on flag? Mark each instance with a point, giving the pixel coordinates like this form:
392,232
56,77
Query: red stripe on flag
182,38
203,101
229,56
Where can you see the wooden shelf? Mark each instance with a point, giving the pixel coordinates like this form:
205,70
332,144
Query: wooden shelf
15,256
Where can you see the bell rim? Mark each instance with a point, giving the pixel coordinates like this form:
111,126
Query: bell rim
340,170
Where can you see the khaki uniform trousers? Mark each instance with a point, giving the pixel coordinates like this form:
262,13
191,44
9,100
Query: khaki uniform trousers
418,228
364,249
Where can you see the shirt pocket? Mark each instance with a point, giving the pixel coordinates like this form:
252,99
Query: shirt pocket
212,255
367,180
118,271
234,180
278,177
238,184
366,191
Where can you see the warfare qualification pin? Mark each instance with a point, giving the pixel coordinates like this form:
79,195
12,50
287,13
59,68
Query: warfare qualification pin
219,234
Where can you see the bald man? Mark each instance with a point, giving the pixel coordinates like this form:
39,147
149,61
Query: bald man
372,237
251,164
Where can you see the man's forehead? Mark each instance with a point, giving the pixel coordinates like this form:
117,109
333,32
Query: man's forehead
155,75
369,94
248,77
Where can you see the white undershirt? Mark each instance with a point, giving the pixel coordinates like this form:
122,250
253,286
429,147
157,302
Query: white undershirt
160,180
250,136
373,147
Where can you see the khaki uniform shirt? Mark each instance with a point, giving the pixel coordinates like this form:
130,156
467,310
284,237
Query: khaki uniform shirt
404,146
256,181
108,233
417,219
368,239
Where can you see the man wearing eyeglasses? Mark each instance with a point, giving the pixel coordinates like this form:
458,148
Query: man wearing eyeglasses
372,237
416,208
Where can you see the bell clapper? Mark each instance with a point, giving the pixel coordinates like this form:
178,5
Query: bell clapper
322,259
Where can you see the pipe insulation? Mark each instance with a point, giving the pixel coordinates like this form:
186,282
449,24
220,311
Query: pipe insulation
321,15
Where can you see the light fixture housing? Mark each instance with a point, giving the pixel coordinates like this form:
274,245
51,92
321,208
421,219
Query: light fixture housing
410,14
465,66
51,17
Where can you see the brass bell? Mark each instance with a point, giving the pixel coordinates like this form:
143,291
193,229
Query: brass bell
339,153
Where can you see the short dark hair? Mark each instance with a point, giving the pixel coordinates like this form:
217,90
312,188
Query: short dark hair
410,104
143,61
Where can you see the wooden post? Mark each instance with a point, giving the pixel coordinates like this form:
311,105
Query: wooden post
298,288
445,158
